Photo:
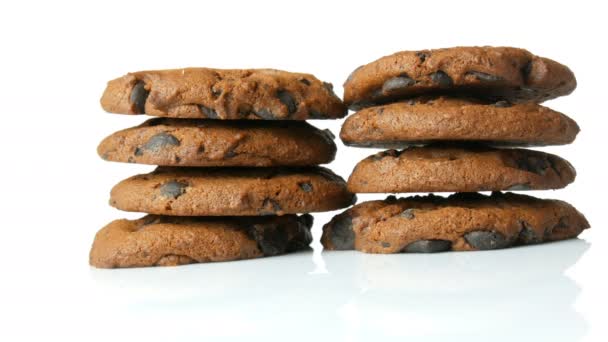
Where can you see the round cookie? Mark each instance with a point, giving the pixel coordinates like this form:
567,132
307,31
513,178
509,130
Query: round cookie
438,168
169,240
223,94
461,222
427,120
498,73
232,191
199,142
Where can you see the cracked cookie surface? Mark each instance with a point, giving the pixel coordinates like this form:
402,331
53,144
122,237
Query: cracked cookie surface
459,168
232,191
460,222
199,142
266,94
497,73
168,241
425,120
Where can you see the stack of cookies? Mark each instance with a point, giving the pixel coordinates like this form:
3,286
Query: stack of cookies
458,113
237,163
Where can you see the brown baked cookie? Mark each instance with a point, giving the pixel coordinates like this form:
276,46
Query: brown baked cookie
427,120
446,168
169,240
199,142
232,191
223,94
497,73
461,222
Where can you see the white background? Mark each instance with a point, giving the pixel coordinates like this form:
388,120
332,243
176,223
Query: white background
55,60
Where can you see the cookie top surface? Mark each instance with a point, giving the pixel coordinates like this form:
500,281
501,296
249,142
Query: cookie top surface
449,168
169,240
200,142
232,191
498,73
266,94
427,120
460,222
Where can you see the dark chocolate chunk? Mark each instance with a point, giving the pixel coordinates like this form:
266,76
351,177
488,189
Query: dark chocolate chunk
397,83
138,97
160,141
173,189
428,246
385,244
209,113
305,81
484,77
287,99
502,104
441,78
138,152
270,207
534,164
271,239
527,235
265,114
408,214
519,187
305,186
342,235
484,240
422,56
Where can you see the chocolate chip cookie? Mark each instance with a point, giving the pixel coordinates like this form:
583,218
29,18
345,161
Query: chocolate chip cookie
223,94
497,73
425,120
232,191
169,241
200,142
461,222
464,168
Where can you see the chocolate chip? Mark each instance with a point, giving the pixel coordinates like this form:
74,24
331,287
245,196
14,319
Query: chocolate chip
287,99
208,112
342,236
527,235
397,83
138,97
201,149
160,141
216,92
484,77
502,104
265,114
271,239
442,79
385,244
173,189
329,134
519,187
526,70
422,56
408,214
138,152
428,246
305,81
390,199
270,207
329,87
484,240
305,186
533,164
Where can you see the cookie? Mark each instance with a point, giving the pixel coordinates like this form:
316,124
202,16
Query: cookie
223,94
169,241
232,191
461,222
427,120
498,73
200,142
449,168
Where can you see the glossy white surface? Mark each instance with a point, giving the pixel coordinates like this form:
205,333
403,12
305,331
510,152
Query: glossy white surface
507,295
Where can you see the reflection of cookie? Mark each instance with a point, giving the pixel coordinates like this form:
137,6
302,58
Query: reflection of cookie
232,191
425,120
223,94
168,241
190,142
439,168
492,72
460,222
